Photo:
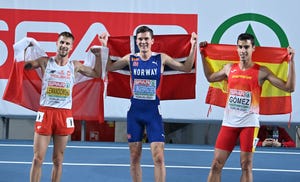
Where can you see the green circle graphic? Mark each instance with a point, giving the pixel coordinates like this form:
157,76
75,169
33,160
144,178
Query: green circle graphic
251,17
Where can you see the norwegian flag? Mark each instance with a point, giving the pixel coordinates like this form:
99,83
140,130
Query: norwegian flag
175,84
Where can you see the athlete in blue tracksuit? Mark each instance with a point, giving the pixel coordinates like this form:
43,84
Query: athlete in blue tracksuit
146,68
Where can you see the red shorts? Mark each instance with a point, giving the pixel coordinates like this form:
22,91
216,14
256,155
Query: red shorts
54,121
228,137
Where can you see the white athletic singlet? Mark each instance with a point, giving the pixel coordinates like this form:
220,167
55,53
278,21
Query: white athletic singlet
57,85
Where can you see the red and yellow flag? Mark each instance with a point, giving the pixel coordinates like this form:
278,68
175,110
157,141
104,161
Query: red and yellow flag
272,100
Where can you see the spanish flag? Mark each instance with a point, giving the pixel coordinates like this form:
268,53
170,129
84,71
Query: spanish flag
175,84
272,100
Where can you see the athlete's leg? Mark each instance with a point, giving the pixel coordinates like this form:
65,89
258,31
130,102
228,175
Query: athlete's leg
224,145
220,157
156,136
40,146
248,138
246,166
135,131
157,149
59,143
135,161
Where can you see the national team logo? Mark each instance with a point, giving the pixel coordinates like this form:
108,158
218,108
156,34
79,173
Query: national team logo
135,63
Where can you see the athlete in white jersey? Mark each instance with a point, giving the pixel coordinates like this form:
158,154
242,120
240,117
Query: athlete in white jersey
57,85
245,80
54,117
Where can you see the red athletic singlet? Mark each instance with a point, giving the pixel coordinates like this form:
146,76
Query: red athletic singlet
242,108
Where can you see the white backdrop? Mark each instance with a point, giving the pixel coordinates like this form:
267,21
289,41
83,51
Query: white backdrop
210,14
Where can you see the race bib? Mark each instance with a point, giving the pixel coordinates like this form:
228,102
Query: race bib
58,92
144,89
70,122
39,116
239,100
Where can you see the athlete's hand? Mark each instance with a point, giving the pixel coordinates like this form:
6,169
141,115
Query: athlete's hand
103,38
96,51
291,52
202,45
194,37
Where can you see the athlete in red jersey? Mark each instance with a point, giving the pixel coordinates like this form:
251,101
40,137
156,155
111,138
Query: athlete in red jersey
245,80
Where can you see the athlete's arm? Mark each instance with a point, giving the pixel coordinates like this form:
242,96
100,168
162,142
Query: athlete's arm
187,65
113,65
289,85
208,72
89,71
37,63
118,64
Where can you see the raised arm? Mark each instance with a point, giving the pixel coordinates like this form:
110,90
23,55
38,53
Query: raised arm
208,72
188,63
289,85
38,63
113,65
89,71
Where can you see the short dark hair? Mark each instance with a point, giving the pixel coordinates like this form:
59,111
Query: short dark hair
246,36
67,34
143,29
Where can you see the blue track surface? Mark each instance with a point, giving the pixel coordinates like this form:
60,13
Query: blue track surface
109,162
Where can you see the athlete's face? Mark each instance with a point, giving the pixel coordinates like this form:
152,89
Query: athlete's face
64,46
144,41
245,50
